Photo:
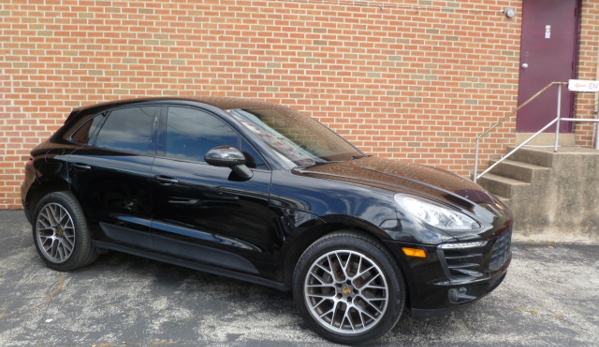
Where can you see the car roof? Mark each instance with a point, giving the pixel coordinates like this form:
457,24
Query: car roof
225,103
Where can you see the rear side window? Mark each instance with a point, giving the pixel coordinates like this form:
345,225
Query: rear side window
85,133
128,129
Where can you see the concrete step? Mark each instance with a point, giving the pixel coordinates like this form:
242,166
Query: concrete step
519,171
502,187
540,156
548,190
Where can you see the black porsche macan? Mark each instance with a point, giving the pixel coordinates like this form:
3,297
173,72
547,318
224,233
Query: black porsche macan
266,194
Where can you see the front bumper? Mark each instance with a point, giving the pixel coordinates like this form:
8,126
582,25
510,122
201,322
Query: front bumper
449,278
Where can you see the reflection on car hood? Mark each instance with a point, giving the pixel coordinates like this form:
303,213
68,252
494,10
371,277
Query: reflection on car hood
401,176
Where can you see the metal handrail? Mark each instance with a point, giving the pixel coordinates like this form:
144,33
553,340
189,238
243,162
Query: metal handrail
559,102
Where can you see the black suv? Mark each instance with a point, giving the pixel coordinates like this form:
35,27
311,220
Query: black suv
263,193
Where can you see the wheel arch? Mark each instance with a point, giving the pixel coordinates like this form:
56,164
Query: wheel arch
334,224
38,191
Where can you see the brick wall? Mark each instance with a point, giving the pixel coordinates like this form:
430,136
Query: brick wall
588,69
408,79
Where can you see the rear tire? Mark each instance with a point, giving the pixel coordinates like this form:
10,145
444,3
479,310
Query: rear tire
60,233
348,288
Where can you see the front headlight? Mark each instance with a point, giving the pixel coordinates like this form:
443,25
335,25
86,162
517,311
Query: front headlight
436,215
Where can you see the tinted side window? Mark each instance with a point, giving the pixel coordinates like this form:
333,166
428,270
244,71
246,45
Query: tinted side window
190,133
86,132
128,129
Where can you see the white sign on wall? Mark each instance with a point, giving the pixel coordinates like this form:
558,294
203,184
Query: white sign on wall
583,86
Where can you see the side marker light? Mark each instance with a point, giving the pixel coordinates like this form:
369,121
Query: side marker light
414,252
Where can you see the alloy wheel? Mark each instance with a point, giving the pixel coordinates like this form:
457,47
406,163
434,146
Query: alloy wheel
346,292
55,233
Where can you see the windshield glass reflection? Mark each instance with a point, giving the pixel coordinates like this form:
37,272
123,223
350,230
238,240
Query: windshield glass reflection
295,136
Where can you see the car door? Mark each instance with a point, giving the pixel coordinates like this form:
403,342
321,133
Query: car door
110,174
204,213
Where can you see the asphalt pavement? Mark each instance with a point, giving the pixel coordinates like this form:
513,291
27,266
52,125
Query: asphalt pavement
549,298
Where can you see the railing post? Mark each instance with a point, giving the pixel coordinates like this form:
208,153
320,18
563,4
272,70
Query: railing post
559,116
476,158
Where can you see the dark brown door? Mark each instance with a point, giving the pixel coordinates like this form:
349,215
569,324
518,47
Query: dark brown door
547,54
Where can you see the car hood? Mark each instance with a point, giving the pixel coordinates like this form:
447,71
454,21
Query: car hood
405,177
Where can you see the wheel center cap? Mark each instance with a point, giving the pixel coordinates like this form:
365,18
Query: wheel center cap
347,291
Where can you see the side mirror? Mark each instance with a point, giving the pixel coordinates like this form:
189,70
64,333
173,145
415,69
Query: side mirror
231,157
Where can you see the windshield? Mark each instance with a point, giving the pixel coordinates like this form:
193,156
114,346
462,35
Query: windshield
295,136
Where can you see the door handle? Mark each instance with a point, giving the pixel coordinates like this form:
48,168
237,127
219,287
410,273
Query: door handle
182,201
81,166
165,180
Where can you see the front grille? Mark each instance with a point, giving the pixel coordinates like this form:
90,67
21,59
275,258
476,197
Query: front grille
472,261
501,251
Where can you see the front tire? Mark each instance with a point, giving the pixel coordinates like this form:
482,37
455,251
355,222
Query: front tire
348,288
60,233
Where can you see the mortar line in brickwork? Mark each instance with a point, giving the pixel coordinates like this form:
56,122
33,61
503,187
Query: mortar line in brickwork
391,6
